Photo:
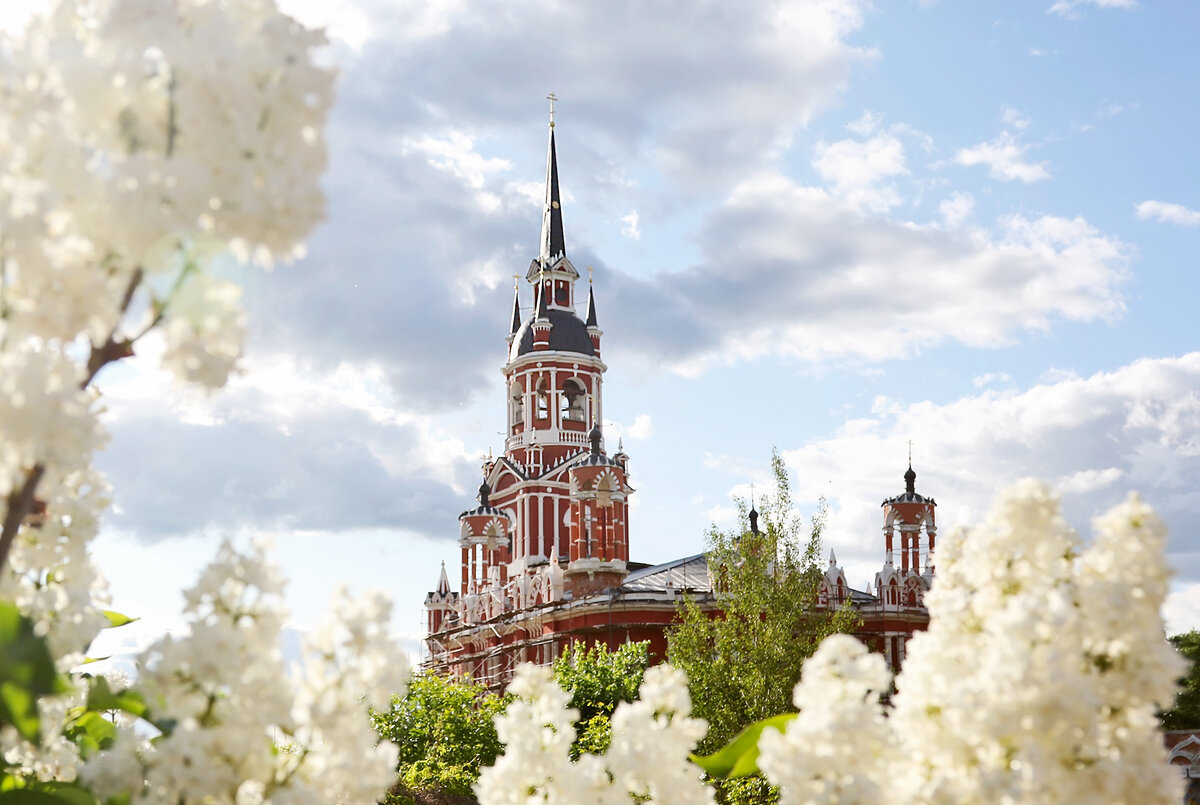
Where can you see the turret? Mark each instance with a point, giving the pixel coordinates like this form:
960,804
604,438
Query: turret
913,517
599,541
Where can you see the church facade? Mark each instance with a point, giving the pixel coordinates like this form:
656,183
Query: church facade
546,552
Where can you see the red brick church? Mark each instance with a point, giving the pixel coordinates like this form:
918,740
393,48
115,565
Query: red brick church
546,553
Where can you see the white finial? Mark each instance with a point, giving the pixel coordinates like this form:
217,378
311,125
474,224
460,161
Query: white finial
832,558
552,98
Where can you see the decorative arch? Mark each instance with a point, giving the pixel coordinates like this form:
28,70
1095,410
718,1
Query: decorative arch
573,402
516,394
542,399
914,591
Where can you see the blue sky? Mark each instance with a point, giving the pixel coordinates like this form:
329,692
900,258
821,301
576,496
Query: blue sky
825,226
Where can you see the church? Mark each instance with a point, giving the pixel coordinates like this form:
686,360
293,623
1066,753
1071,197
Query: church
546,552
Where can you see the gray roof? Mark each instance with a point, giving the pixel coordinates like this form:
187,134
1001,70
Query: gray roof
567,334
688,573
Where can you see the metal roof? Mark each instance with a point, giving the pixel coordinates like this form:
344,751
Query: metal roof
688,573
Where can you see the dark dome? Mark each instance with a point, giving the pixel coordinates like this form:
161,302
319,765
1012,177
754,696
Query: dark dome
567,334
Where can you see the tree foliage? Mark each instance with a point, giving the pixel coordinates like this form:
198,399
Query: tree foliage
598,680
1185,714
743,666
445,732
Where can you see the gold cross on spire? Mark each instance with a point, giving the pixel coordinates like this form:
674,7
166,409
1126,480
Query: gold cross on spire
516,282
910,452
590,270
552,98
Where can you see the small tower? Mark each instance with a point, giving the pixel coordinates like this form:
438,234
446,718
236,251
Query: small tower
599,541
484,539
440,604
912,515
833,588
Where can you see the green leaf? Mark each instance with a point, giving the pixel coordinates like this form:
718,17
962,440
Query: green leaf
101,698
86,660
26,672
18,706
48,794
739,758
116,619
92,732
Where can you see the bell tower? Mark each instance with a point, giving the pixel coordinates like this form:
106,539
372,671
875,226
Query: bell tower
911,517
552,521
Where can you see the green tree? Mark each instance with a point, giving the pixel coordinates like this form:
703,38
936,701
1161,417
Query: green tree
598,680
743,663
443,727
1185,714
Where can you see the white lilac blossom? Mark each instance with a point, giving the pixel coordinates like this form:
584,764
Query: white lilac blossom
205,330
647,759
839,750
1037,682
244,729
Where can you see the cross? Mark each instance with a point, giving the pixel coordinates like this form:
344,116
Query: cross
516,282
590,270
910,451
752,496
552,98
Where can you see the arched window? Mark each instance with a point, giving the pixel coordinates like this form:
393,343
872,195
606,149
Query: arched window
573,401
517,394
543,400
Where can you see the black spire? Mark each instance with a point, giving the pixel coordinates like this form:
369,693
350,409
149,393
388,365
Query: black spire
543,311
484,492
591,313
516,316
553,245
753,520
910,481
594,437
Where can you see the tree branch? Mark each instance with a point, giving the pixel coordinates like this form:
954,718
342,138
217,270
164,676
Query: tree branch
20,501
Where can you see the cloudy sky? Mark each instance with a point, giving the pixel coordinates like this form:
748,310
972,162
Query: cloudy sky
827,226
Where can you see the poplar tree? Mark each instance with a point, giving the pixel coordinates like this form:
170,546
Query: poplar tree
743,663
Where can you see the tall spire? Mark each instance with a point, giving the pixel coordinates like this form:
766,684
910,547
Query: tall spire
591,311
553,244
541,308
516,316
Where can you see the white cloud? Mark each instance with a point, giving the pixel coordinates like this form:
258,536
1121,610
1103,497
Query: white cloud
988,378
1136,427
1005,159
865,125
641,429
855,169
787,270
1068,8
722,94
284,446
1182,609
455,152
1089,480
1014,118
1168,213
630,230
957,209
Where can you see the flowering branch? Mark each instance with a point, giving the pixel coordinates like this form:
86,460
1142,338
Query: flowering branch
20,502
